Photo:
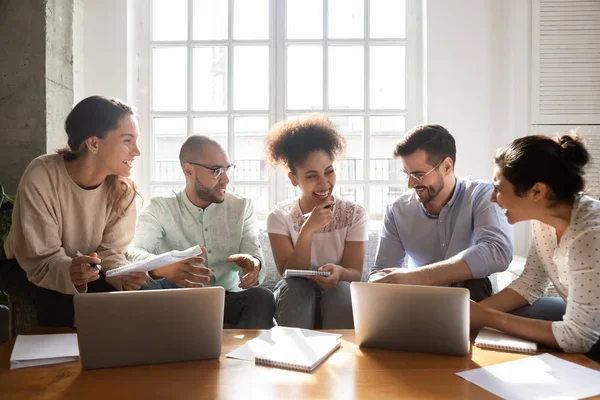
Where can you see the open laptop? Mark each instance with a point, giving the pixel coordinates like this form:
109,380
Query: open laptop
149,326
412,318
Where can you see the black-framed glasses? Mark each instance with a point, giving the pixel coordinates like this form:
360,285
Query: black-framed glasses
419,178
217,171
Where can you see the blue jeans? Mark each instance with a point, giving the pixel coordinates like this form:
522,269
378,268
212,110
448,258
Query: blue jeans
552,309
249,309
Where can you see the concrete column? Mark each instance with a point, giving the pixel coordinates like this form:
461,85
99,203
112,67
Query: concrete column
36,81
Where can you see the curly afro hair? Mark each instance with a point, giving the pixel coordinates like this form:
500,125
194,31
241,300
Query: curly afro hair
289,143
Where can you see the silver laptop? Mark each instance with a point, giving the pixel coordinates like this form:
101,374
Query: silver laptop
412,318
149,326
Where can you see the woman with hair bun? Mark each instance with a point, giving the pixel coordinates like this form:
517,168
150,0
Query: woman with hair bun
75,210
541,179
315,231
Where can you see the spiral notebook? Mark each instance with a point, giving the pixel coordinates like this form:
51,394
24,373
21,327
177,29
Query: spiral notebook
295,273
295,350
496,340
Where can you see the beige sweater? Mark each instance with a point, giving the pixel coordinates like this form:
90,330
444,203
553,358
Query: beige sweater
53,218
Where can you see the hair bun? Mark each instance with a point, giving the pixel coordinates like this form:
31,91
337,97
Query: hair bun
573,150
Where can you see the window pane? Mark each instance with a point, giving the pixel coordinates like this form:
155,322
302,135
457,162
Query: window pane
216,127
385,133
249,144
352,193
251,19
210,19
210,78
163,190
381,196
169,135
387,76
298,13
352,167
346,19
251,78
259,196
346,77
169,79
388,19
305,77
169,20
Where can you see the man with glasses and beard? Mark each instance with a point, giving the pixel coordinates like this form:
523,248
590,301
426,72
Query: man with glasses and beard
223,223
451,231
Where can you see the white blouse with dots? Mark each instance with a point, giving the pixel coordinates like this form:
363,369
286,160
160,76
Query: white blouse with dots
573,266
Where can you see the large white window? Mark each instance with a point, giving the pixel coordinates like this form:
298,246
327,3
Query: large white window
233,68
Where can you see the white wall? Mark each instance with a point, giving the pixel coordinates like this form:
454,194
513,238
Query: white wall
477,80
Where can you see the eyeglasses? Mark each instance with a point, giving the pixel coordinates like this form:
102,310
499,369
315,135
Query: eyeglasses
419,178
217,171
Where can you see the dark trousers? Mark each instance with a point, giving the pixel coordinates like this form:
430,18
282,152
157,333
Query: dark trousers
53,308
479,289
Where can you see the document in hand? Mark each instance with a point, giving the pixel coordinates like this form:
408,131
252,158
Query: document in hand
34,350
536,377
152,263
292,348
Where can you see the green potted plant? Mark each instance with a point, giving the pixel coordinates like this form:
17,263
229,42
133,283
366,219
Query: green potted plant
6,206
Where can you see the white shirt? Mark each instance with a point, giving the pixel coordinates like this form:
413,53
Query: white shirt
573,266
350,224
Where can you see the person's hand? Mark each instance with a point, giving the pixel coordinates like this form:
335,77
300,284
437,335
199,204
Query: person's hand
478,315
319,217
249,265
397,275
185,273
133,280
328,282
82,272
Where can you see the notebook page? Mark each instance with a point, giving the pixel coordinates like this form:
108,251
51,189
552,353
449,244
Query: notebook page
156,262
536,377
44,349
267,340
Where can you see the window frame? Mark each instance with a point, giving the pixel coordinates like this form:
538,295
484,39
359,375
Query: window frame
278,184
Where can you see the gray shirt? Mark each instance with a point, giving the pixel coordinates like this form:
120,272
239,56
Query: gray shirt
469,225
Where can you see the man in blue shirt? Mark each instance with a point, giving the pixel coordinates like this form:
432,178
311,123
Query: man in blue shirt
447,225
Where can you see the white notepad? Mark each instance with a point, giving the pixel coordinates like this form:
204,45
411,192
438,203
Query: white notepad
536,377
153,263
293,350
492,339
304,347
302,273
34,350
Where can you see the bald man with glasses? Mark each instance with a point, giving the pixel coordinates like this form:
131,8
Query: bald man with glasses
451,232
224,223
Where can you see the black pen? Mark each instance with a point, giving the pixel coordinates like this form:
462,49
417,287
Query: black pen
78,253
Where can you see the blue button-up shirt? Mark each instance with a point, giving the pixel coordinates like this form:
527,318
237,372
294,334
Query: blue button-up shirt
469,225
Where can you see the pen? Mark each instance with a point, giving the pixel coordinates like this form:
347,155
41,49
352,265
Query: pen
308,214
78,253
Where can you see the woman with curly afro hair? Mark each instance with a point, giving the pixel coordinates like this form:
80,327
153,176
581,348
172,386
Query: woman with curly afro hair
315,231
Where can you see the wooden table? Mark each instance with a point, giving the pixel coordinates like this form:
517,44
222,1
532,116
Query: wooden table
350,373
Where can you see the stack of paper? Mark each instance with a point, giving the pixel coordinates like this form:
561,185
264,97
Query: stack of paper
293,348
34,350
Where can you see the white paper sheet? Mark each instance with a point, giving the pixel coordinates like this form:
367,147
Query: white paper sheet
153,263
537,377
33,350
266,340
